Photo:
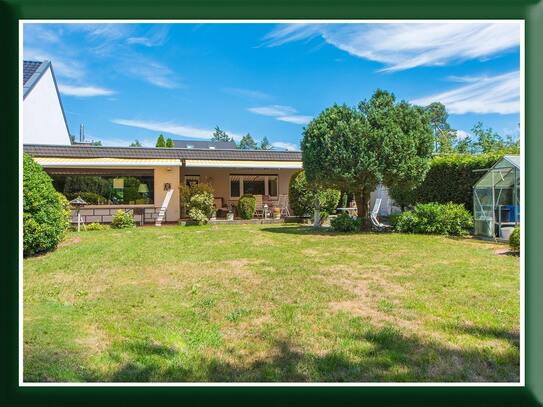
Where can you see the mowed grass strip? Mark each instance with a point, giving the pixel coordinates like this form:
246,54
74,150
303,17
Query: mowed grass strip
270,303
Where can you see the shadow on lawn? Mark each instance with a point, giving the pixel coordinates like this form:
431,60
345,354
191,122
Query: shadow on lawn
310,230
384,355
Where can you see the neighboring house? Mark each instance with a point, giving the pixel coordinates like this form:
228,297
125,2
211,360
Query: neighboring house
44,121
213,145
148,179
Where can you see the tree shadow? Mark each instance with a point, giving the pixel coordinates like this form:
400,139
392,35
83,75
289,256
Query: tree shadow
310,230
485,332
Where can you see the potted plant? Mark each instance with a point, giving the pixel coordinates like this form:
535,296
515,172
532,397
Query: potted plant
276,213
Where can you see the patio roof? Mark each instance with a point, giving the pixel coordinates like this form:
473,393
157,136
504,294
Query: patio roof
243,164
56,162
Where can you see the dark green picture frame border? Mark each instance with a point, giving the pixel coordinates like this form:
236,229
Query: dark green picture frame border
529,10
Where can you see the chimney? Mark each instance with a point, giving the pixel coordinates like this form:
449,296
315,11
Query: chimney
81,133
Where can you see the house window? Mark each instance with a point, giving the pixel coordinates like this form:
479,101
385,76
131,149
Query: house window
191,180
253,185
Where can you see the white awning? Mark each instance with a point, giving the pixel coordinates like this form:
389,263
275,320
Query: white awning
294,165
60,162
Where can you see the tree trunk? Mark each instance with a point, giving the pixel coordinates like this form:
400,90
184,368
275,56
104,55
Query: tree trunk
317,213
362,200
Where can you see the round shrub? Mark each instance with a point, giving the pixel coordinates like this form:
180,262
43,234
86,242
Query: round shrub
302,197
433,218
345,223
514,240
201,207
247,206
46,213
123,220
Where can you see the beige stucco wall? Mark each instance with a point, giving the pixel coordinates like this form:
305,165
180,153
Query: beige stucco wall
169,175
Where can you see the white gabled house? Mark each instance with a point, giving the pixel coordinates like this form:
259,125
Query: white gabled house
44,121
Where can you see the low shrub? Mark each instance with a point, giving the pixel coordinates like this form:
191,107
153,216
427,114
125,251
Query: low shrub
247,206
514,240
201,207
302,197
345,223
46,213
122,220
96,226
433,218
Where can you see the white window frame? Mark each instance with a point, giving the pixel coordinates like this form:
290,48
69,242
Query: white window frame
242,192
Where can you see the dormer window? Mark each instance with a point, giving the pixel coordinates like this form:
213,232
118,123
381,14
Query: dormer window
190,146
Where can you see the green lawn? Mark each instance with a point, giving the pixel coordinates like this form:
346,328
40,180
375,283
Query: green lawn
270,303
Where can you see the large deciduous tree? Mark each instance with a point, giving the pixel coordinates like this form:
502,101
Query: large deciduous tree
383,141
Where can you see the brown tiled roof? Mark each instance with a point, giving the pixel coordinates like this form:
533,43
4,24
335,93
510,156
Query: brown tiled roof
75,151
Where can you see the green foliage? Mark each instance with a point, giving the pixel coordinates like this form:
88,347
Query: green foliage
247,143
433,218
169,143
247,206
265,144
354,150
444,136
487,140
345,223
186,191
514,239
451,179
302,196
200,207
402,194
220,135
95,226
91,198
46,213
122,220
135,143
160,142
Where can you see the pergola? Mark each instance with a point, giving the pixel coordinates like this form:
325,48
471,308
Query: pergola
496,199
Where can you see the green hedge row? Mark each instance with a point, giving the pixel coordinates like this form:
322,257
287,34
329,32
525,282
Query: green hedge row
451,179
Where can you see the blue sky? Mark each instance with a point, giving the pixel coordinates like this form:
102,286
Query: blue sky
133,81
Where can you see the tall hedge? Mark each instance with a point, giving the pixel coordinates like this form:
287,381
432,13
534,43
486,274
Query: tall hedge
451,178
46,213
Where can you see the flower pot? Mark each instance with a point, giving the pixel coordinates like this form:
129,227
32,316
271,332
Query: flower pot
229,216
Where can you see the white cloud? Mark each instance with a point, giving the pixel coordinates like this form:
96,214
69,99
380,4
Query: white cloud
282,113
401,46
273,110
285,145
461,134
62,66
499,94
152,72
155,37
84,91
296,119
247,93
173,128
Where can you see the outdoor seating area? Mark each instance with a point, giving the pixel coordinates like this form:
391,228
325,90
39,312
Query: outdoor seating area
267,207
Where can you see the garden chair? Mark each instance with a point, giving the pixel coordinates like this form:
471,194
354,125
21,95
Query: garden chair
259,206
283,205
373,216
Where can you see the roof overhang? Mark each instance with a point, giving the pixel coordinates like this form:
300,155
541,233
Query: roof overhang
276,165
58,162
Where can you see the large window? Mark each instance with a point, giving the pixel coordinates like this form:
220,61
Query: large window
105,187
253,184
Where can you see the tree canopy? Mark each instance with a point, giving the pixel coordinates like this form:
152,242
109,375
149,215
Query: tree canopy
169,143
135,143
444,135
265,144
160,142
220,135
247,143
382,141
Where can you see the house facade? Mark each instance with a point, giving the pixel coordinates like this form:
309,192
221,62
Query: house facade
147,180
43,115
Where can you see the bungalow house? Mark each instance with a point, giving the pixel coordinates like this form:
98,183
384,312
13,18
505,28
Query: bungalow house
43,115
146,180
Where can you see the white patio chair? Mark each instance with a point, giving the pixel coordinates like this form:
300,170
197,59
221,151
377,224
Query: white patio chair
283,205
373,216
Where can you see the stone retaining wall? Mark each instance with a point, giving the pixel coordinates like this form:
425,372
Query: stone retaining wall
98,214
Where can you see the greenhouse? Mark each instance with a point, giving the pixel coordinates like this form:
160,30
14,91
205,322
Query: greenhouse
496,199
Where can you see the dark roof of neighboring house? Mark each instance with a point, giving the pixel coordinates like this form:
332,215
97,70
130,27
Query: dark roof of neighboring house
222,145
32,72
79,151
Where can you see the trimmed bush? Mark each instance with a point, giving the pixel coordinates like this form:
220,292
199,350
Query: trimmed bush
95,226
123,220
345,223
247,206
514,240
451,179
46,213
302,197
433,218
201,207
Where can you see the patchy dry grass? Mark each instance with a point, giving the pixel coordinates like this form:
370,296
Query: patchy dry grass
270,303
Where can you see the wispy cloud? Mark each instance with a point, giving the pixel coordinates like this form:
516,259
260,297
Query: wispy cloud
408,45
246,93
151,71
282,113
84,91
285,145
156,36
499,94
172,128
63,66
461,134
